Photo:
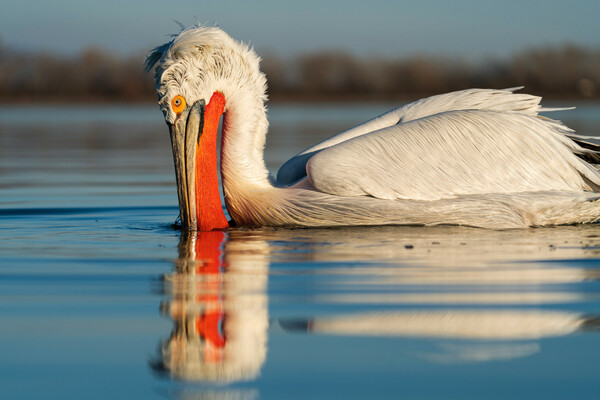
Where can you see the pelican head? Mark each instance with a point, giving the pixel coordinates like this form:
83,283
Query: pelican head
197,76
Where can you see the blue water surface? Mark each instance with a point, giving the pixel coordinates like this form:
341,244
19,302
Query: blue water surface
101,297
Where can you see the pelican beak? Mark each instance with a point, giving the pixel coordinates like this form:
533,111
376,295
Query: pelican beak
194,142
185,135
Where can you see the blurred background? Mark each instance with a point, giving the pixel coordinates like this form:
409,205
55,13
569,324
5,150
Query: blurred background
73,50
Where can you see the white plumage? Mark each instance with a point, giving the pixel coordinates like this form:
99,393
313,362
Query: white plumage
477,152
474,157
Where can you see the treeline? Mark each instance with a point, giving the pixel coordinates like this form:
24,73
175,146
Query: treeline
563,72
95,75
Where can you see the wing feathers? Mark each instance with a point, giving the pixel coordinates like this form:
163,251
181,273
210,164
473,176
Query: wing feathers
455,153
470,99
295,168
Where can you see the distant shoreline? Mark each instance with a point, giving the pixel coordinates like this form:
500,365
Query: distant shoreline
564,73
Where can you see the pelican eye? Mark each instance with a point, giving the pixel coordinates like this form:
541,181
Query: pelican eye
178,104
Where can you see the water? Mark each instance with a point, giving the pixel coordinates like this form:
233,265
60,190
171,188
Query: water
101,298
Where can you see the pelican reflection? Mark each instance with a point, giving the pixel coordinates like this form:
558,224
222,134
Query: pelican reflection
457,335
218,306
481,325
471,295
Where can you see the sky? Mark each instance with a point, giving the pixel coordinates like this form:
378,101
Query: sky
460,28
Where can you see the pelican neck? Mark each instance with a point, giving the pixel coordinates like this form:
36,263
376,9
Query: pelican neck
242,144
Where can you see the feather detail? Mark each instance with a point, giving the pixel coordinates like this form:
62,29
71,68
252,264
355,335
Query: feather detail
469,99
454,153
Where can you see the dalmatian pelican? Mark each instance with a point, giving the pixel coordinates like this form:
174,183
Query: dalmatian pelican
476,157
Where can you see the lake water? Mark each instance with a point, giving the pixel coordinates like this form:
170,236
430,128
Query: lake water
101,298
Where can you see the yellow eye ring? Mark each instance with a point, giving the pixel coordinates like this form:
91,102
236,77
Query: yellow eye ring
178,104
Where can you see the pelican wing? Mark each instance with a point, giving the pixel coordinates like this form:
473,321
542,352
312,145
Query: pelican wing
456,153
295,167
470,99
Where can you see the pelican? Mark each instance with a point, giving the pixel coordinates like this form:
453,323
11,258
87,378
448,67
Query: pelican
476,157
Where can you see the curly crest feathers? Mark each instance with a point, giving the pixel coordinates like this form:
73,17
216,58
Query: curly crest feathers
191,39
201,60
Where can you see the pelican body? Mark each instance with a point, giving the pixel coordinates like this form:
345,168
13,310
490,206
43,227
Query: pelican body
475,157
